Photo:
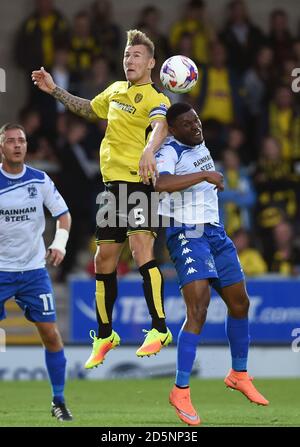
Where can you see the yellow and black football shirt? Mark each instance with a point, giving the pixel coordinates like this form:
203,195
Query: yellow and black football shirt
129,110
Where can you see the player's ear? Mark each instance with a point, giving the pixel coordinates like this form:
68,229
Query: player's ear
171,130
151,63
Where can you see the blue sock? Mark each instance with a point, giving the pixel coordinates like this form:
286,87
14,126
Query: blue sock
237,330
56,367
186,353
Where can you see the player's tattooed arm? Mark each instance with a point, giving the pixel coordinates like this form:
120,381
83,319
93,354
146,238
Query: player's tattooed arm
79,106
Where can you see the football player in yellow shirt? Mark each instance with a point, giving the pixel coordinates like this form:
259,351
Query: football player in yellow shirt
136,127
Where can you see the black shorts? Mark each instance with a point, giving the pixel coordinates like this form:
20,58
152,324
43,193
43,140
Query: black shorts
125,208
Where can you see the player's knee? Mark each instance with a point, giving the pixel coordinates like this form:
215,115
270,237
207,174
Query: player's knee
239,308
104,261
136,253
196,314
141,253
52,339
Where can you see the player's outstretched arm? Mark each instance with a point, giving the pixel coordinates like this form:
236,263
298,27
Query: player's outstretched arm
44,81
172,183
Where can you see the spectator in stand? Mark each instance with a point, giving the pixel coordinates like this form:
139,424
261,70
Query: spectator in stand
250,258
61,72
31,121
45,28
45,158
276,187
237,142
39,34
285,76
185,46
241,37
286,258
40,153
76,182
83,47
49,108
282,122
296,52
98,79
194,21
280,37
296,57
259,81
238,197
218,97
258,85
61,129
148,22
106,32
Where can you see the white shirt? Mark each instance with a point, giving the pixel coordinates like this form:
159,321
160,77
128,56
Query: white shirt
22,218
197,204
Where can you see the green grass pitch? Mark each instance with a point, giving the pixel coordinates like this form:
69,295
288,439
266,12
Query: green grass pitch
144,403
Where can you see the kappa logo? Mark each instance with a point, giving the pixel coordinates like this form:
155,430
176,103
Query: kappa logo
184,242
191,270
186,250
189,260
32,191
181,236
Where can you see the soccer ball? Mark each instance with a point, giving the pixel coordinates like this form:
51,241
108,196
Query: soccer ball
179,74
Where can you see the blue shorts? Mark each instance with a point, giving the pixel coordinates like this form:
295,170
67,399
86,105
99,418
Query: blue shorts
32,291
205,252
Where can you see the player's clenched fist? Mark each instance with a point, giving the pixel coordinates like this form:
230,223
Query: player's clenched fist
43,80
216,178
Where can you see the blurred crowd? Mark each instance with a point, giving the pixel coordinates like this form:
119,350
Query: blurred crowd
250,116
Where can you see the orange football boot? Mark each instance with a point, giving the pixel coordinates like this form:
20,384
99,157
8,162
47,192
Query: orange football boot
242,382
180,398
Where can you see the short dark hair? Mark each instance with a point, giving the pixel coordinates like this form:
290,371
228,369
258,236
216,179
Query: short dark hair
175,110
278,12
9,126
196,4
83,14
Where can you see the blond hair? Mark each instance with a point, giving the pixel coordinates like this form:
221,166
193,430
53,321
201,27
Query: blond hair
136,37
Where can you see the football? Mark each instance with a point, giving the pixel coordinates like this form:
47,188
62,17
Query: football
179,74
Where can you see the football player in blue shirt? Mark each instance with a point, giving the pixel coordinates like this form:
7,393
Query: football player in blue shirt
202,253
24,192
